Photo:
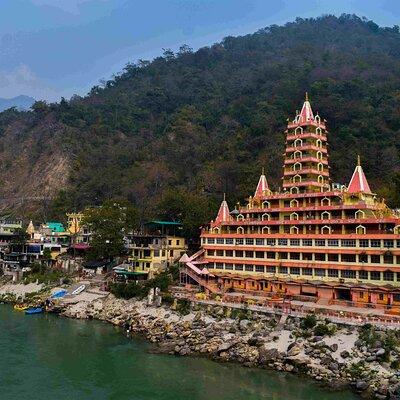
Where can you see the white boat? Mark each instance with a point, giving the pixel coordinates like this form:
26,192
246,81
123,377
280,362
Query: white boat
79,289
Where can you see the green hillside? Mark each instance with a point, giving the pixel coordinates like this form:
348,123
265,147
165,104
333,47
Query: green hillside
173,134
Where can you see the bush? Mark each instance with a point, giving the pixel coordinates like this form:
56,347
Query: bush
183,306
128,290
368,334
167,299
321,330
395,364
174,271
309,321
44,277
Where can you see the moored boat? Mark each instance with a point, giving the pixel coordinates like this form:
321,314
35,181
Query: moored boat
34,310
20,307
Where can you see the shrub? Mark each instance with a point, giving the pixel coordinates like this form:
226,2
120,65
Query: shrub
128,290
321,330
183,306
309,321
395,364
167,299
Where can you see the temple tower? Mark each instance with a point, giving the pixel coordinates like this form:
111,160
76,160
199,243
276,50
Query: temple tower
306,166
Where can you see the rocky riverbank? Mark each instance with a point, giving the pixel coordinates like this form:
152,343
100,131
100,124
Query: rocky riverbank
365,359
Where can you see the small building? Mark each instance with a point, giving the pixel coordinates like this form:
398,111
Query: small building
54,233
78,231
157,246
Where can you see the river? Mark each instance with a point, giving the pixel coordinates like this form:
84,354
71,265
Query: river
47,357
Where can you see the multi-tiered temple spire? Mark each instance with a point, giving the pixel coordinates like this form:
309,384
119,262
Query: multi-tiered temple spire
306,157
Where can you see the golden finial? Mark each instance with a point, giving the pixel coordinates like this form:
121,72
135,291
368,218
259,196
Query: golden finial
306,96
224,196
358,160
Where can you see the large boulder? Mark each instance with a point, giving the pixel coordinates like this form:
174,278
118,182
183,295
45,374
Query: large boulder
294,351
361,385
380,352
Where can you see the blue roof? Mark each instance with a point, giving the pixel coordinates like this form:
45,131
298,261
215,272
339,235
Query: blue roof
56,226
172,223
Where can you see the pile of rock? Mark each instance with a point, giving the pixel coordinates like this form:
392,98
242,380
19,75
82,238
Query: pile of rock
254,339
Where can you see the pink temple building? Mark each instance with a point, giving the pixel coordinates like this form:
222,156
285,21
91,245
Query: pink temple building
312,239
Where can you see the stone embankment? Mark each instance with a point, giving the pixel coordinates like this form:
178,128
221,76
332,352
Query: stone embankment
365,359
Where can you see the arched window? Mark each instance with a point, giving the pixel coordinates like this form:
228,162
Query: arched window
318,131
319,143
297,166
317,119
265,217
396,229
320,179
319,155
360,230
294,216
326,230
294,203
325,201
294,230
320,167
296,178
216,230
297,154
266,230
266,204
240,230
360,214
294,190
298,143
298,130
326,215
240,217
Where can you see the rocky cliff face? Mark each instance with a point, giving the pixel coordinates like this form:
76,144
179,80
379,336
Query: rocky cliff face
34,166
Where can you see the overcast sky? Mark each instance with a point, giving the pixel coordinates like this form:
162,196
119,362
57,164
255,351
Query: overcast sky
54,48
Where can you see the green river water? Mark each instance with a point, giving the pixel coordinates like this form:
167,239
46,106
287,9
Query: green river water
47,357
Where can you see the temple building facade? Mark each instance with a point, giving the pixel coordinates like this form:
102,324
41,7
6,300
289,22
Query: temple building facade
312,239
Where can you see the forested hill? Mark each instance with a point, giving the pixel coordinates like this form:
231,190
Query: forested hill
173,134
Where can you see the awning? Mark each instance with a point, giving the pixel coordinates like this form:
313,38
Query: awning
130,273
80,246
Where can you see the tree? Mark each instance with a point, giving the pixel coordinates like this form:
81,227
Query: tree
20,237
46,255
191,209
108,223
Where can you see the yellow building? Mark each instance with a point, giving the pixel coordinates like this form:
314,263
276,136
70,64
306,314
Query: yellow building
157,247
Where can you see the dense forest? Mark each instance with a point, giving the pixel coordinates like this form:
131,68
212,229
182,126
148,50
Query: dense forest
171,135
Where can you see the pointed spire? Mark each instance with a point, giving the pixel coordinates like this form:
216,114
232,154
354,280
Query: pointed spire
262,185
30,230
223,212
306,113
358,182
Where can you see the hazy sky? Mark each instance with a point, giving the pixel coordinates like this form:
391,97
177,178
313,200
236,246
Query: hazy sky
54,48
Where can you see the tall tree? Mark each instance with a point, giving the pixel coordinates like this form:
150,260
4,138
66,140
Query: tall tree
108,224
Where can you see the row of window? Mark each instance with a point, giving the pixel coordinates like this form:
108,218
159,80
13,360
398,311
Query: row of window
386,258
377,243
319,272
